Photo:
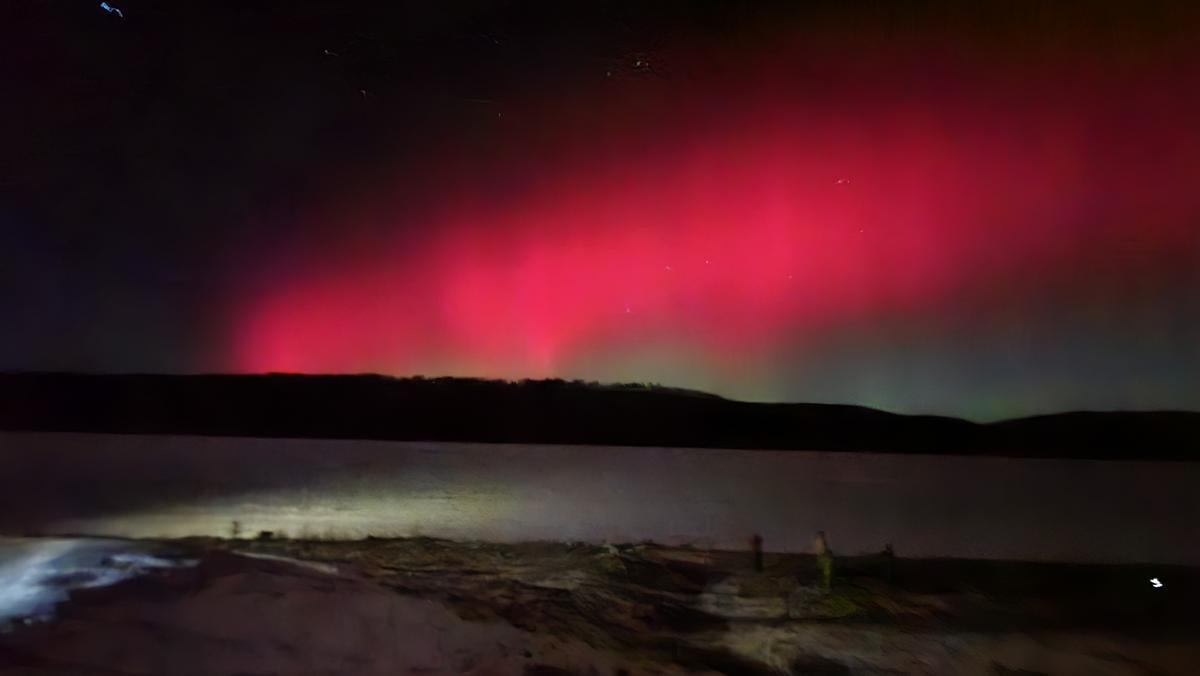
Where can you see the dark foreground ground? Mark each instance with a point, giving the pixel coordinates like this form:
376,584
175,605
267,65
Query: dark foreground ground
422,606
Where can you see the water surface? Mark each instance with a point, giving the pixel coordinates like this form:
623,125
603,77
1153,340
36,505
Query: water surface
924,505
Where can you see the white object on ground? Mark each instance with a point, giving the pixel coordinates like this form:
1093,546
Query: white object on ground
329,568
36,574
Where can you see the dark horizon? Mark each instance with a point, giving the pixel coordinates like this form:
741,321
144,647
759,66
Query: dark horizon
600,384
556,412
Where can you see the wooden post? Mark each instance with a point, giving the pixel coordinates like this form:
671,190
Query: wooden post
824,559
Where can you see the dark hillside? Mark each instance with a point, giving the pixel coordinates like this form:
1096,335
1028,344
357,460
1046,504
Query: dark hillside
551,411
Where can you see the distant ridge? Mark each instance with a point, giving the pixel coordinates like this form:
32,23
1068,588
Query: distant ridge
553,412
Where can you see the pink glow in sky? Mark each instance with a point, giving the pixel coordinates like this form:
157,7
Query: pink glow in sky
751,219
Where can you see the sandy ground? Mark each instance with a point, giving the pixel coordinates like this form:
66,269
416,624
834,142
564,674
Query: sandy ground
422,606
237,615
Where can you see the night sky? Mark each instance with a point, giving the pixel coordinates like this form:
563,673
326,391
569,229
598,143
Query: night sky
979,209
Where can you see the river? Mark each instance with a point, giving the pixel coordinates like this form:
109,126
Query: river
924,505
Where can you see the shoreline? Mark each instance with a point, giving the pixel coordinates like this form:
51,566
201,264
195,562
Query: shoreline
556,608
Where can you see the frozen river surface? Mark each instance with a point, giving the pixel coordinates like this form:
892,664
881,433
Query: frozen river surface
924,505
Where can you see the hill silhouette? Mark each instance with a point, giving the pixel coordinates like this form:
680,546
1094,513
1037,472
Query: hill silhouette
553,412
